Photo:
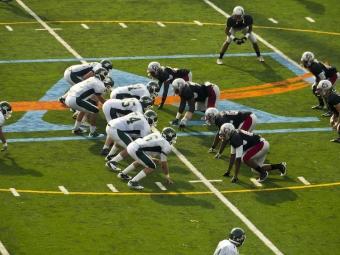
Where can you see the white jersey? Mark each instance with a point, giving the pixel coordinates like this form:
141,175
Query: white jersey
114,108
87,88
225,247
82,69
134,124
136,90
2,119
154,145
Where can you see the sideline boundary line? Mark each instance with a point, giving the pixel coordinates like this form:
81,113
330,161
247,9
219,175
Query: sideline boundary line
170,193
3,250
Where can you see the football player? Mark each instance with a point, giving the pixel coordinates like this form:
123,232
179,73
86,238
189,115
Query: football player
165,76
5,113
124,130
79,95
144,151
114,108
229,246
321,71
136,90
251,149
77,73
241,120
325,89
239,21
198,97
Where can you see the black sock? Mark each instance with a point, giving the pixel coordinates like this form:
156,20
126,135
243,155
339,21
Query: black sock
221,55
277,166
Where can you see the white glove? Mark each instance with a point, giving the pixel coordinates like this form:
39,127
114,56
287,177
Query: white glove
211,150
218,155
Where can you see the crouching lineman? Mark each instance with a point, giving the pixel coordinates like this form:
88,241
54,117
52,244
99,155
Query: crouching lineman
143,152
240,120
136,90
250,148
198,96
114,108
166,75
122,131
229,246
79,95
321,71
5,113
326,90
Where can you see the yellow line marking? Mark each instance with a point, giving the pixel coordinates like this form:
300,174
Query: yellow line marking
300,187
171,22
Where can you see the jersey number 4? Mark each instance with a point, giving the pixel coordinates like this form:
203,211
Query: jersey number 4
132,120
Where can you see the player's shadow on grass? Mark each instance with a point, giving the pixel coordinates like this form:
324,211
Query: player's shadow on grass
14,169
12,7
312,6
95,147
182,200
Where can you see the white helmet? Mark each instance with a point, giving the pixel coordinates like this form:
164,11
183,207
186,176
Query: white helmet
210,115
238,11
178,84
323,87
226,130
153,68
307,58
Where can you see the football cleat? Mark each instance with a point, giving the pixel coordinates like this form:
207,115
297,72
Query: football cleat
327,114
219,61
283,169
226,174
113,166
123,176
105,151
135,185
260,58
263,176
95,135
317,107
336,140
78,131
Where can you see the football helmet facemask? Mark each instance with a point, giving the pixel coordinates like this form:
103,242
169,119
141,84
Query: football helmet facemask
307,58
178,84
6,109
226,130
106,64
210,115
151,117
101,73
237,236
169,134
153,68
146,102
108,82
153,88
323,87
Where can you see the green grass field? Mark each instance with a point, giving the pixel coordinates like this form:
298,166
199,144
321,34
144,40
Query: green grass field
187,218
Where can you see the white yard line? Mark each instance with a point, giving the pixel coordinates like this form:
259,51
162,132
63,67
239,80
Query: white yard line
85,26
160,24
198,23
195,181
310,19
303,180
3,250
160,185
272,47
64,190
111,187
9,28
273,20
123,25
50,30
14,192
256,183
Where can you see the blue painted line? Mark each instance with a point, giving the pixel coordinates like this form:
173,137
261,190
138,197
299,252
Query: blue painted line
85,138
51,60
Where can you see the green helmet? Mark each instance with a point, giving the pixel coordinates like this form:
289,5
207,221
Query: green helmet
6,109
151,117
169,134
106,64
101,73
237,236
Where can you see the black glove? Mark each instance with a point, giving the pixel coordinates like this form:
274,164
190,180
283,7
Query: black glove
174,122
239,41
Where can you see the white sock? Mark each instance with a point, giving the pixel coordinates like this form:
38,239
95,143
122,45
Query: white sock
92,129
139,176
113,150
128,169
117,158
77,124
